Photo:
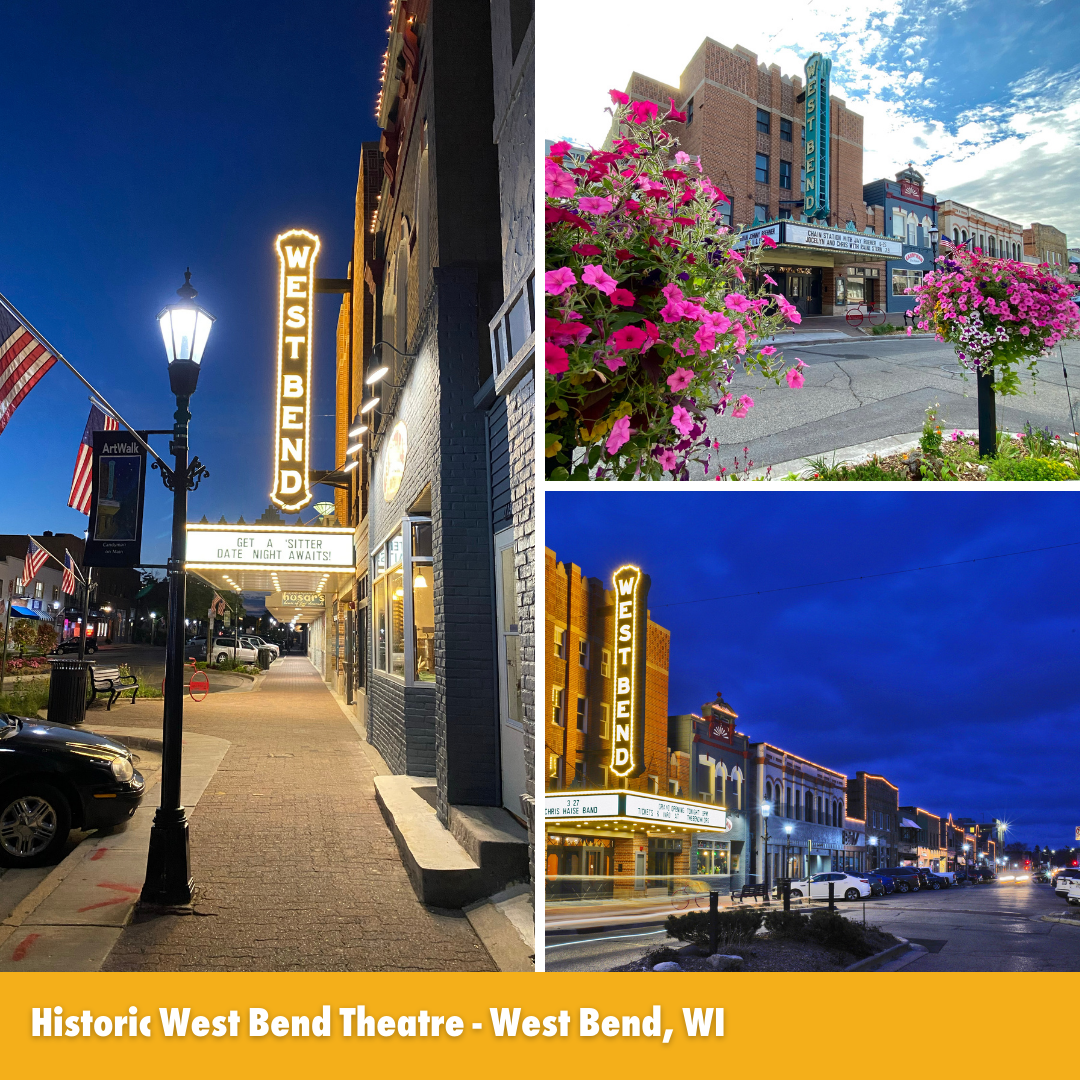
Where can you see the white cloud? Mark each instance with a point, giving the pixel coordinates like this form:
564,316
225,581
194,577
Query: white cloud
1012,157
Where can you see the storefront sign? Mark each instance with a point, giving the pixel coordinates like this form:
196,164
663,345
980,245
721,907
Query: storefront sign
693,815
909,189
118,469
753,237
592,805
212,546
302,599
852,838
914,258
297,251
397,451
841,240
631,617
816,198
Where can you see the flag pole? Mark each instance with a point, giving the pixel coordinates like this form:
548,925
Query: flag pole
54,558
3,654
14,312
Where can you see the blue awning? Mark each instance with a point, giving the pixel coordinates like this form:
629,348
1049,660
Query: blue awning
26,613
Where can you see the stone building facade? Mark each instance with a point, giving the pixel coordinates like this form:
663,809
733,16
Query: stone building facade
1047,245
995,236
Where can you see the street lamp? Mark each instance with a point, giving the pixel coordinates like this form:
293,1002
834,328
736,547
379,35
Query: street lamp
185,328
787,850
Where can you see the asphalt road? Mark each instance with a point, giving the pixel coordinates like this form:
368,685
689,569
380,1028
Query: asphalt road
992,927
873,388
149,662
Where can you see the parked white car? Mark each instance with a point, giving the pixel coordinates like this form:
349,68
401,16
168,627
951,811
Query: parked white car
262,643
845,887
1073,895
226,648
1066,880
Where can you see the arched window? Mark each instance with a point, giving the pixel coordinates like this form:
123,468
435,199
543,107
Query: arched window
787,804
963,235
993,247
722,776
798,806
401,288
424,260
836,814
820,819
768,791
956,235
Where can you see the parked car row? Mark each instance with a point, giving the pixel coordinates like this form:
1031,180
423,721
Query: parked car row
225,648
1066,883
856,885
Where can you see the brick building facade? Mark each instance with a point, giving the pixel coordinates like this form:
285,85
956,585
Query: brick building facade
434,426
1047,245
874,800
995,236
745,122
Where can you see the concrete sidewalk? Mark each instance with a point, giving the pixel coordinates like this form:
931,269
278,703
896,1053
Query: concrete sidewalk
74,916
295,869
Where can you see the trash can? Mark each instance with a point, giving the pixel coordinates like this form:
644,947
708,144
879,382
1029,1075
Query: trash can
67,691
266,658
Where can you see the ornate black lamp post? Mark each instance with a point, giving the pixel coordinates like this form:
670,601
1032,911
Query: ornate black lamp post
766,810
185,328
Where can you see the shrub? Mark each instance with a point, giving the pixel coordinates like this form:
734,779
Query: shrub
868,470
787,924
1040,468
737,926
26,702
930,440
831,929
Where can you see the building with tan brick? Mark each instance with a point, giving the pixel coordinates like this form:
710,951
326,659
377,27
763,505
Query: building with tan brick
746,124
1047,245
994,236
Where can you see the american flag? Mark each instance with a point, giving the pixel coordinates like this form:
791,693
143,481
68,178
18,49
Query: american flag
35,560
23,361
68,584
217,605
82,481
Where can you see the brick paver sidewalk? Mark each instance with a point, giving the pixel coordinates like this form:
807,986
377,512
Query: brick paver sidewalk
294,865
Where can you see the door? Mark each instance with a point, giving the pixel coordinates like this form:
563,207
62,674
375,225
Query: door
511,728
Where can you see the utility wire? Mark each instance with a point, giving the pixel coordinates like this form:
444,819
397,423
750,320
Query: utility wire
867,577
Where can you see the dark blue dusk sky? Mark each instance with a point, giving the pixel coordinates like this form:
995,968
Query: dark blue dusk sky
139,140
958,684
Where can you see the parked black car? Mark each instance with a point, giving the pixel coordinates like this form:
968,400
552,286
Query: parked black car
72,645
906,878
886,880
54,778
876,883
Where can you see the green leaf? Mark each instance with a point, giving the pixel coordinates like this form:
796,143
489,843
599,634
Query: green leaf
559,474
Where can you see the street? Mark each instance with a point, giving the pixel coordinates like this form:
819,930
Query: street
872,388
992,927
149,662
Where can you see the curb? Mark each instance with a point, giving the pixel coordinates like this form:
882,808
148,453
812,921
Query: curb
902,946
1058,919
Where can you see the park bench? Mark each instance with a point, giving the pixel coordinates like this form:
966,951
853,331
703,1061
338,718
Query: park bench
752,892
108,680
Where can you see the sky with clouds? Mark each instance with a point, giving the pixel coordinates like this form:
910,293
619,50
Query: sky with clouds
957,682
983,96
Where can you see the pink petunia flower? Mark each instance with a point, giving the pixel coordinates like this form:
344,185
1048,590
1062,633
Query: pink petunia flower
641,112
587,249
767,350
619,98
629,337
681,420
623,297
558,183
594,274
667,460
681,158
560,149
594,204
555,359
746,403
768,241
620,435
556,282
680,379
736,302
794,378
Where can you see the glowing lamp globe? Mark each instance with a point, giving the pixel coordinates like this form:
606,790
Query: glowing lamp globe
185,328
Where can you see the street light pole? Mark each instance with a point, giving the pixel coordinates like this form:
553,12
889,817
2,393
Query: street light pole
185,328
766,810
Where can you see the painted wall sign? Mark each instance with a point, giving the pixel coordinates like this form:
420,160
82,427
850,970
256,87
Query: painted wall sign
118,469
840,240
397,451
631,622
818,70
272,547
914,258
909,189
297,251
302,599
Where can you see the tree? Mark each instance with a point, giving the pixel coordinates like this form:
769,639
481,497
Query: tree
22,633
45,636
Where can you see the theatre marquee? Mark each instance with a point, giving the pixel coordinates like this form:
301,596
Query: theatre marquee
212,547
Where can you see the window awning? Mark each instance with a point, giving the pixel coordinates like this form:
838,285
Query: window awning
907,823
26,613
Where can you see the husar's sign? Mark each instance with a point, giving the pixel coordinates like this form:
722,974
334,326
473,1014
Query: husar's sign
631,625
297,251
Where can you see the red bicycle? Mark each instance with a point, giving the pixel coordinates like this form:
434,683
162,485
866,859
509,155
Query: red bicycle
199,683
869,312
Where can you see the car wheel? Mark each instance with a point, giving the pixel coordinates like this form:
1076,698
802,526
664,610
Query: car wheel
851,894
797,893
223,658
35,820
936,886
902,887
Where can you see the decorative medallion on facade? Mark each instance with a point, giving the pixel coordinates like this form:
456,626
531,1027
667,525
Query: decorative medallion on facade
816,198
396,452
631,622
297,251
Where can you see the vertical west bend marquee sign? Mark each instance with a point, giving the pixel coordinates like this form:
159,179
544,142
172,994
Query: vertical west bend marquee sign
297,251
631,627
816,197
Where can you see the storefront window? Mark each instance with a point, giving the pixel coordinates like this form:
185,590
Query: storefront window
508,627
841,290
379,605
396,604
855,290
713,857
402,603
424,622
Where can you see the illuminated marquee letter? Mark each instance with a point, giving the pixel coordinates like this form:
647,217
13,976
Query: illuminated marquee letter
297,252
631,588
